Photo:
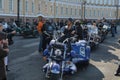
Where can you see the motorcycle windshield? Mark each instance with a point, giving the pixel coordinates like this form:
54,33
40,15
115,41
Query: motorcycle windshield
50,29
58,51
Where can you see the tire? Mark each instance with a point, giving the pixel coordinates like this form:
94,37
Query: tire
54,77
82,65
35,34
24,36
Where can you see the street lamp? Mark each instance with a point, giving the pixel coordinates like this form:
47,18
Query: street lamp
54,15
84,4
18,12
54,10
117,9
83,9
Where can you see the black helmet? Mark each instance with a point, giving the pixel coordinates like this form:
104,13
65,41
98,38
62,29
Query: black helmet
70,19
3,35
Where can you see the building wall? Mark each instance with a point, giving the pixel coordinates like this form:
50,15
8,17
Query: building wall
94,9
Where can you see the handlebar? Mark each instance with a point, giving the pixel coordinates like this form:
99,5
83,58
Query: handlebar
70,39
47,33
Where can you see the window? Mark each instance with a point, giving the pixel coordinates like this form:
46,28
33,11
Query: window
98,13
119,2
92,1
96,2
56,10
102,14
75,12
26,6
45,8
66,11
90,13
39,6
79,11
88,1
61,10
33,7
71,11
86,12
109,2
20,8
51,9
0,4
101,1
113,2
94,13
110,14
105,1
11,5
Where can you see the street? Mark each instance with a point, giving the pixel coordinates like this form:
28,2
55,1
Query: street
26,63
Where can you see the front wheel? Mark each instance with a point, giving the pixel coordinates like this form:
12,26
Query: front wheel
54,77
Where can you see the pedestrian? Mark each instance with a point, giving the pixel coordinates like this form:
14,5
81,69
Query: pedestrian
48,30
118,70
116,29
113,29
10,33
39,29
3,53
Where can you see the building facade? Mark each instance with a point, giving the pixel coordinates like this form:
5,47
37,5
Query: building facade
79,9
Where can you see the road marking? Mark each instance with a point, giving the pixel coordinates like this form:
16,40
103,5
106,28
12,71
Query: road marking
23,59
31,44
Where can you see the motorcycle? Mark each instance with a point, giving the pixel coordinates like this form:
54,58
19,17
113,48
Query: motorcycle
58,61
28,30
94,41
103,31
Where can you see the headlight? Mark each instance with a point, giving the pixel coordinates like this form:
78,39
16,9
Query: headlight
58,52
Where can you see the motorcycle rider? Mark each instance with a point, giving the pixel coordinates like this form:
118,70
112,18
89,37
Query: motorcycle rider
94,28
79,30
113,29
69,30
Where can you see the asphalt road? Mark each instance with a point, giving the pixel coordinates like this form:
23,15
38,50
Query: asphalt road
26,63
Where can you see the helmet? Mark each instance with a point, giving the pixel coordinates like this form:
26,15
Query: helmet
71,20
52,42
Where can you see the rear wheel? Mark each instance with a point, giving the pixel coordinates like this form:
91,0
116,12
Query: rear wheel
82,65
24,36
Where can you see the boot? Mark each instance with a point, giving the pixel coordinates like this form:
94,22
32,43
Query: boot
7,69
117,74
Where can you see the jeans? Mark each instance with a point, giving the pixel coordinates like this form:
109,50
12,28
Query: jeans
40,44
113,31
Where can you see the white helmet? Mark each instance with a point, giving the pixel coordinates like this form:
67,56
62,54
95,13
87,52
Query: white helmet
52,42
66,27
